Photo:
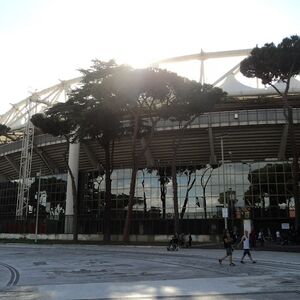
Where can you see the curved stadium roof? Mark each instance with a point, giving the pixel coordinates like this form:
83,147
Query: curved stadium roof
235,88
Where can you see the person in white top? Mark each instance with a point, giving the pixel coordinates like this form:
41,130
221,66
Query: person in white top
278,237
246,247
261,238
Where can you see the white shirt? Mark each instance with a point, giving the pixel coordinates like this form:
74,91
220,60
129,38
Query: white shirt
246,243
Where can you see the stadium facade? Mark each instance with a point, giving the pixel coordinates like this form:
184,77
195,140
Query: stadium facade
245,138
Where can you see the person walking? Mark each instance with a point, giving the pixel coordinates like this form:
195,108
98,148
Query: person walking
190,240
246,247
278,237
227,239
261,238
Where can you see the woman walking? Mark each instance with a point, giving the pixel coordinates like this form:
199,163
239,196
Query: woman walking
246,247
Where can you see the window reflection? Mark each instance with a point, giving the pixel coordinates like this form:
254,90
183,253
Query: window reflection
263,187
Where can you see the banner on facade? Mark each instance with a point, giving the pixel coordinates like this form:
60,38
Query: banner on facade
285,226
225,212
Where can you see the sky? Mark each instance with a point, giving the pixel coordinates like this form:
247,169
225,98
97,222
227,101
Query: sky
44,41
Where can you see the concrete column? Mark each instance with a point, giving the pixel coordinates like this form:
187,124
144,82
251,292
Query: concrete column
247,225
212,157
73,162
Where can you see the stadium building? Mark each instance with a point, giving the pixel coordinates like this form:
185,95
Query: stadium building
245,138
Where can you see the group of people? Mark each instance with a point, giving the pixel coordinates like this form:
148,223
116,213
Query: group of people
283,237
183,240
228,245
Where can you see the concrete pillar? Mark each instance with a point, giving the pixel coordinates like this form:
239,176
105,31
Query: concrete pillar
73,162
247,225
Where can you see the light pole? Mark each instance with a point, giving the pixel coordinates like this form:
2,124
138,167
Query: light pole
225,210
37,206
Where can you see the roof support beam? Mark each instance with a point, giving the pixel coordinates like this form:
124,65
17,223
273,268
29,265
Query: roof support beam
90,154
13,164
51,166
212,157
233,71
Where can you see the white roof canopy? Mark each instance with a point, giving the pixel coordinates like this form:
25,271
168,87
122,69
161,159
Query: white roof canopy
235,88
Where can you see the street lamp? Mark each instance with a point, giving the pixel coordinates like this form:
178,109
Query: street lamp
37,205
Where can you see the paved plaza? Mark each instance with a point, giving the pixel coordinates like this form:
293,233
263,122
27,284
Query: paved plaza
119,272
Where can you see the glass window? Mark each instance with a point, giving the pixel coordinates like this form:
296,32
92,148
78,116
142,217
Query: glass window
262,116
215,119
224,118
243,117
280,116
271,116
252,116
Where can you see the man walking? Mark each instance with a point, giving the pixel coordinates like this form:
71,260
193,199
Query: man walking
246,247
228,248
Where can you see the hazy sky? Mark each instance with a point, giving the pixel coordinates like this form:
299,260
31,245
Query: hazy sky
43,41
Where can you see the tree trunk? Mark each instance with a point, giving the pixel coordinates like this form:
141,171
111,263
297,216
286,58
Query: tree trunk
175,198
144,196
186,199
163,199
204,184
135,160
176,145
75,206
107,211
126,231
204,204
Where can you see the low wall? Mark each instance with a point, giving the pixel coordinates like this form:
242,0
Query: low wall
99,237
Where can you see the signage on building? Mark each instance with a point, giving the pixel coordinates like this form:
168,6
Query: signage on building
225,212
285,226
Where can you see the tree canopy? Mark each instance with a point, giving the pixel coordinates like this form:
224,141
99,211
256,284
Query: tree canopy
116,100
271,63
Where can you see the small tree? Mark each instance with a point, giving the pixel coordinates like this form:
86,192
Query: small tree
273,63
190,173
147,93
100,118
204,181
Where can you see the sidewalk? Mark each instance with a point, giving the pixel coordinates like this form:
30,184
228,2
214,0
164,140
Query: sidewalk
266,247
170,289
86,272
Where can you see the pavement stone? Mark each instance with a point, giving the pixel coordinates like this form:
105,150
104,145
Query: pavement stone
78,272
